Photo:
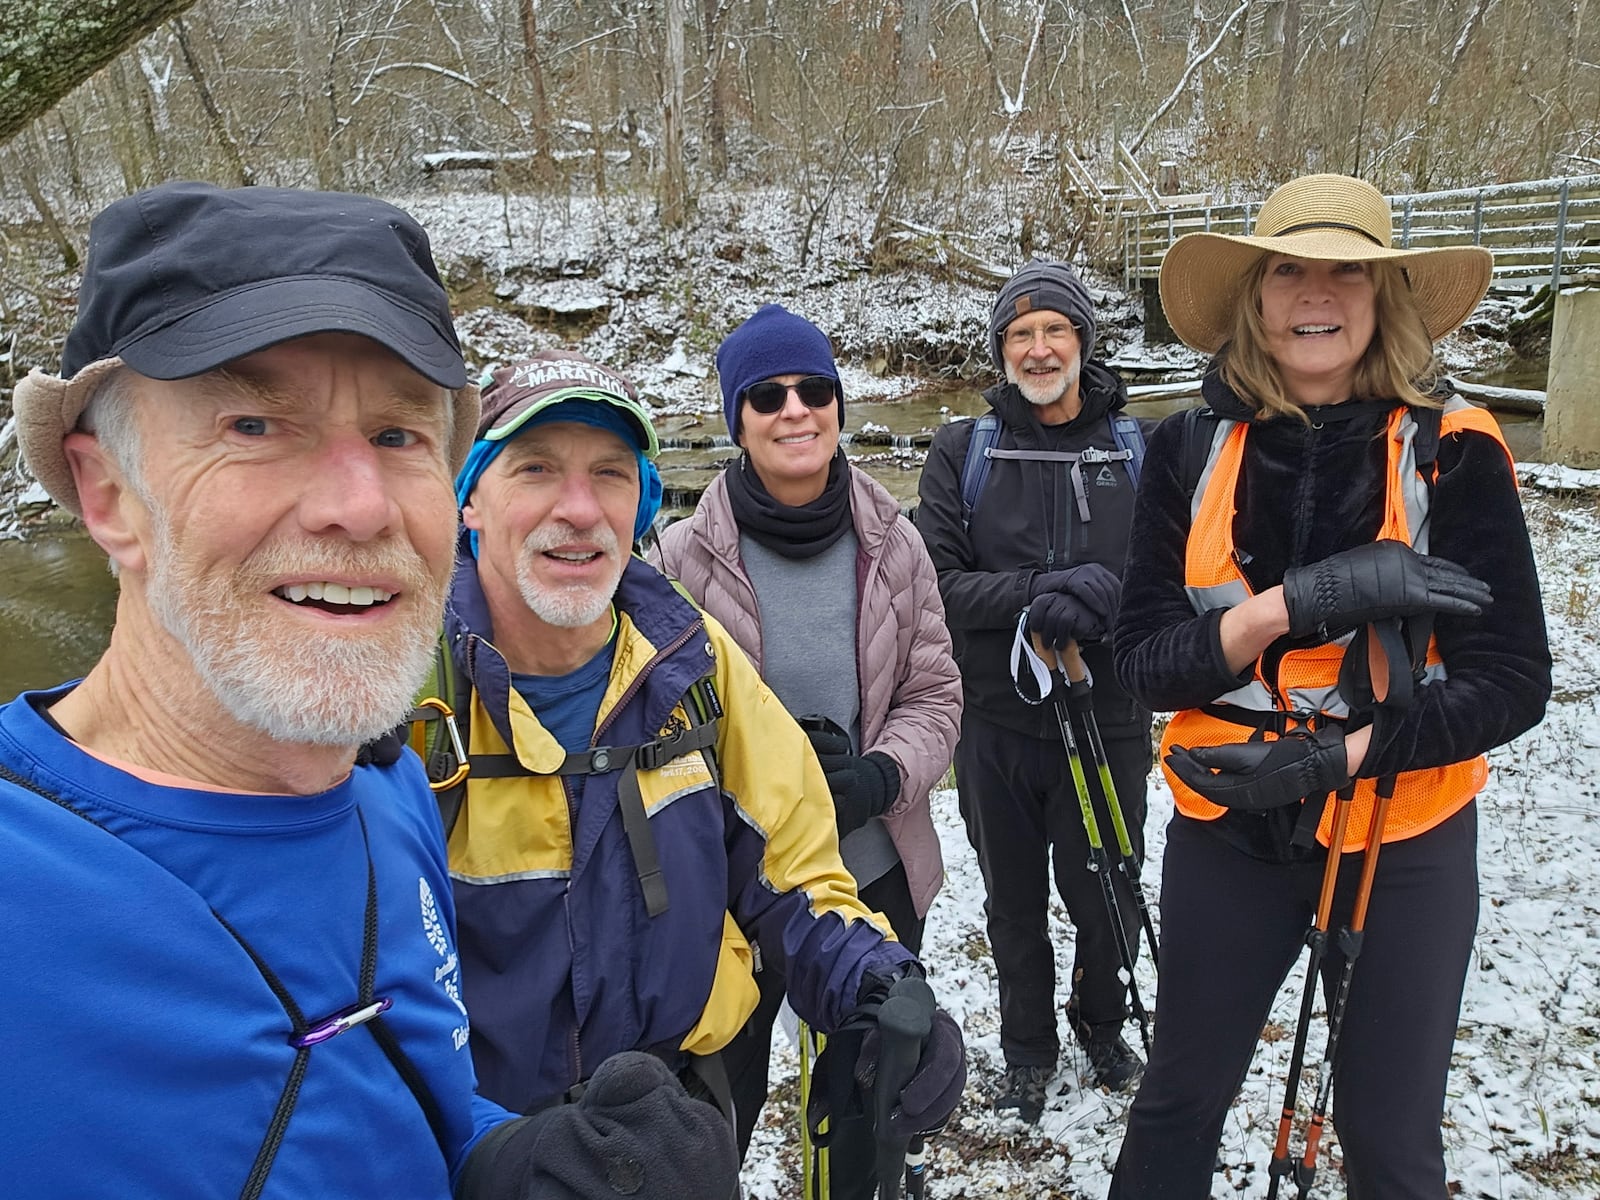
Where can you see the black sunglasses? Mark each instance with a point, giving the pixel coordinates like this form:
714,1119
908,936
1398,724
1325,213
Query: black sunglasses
767,397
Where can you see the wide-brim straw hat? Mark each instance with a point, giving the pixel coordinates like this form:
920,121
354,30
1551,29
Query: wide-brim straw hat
1333,218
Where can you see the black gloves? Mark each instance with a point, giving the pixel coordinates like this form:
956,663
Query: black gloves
863,786
930,1068
1380,579
928,1098
1075,605
635,1132
1059,618
1260,775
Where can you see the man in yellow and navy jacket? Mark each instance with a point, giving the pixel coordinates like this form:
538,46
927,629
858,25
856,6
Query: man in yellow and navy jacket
639,807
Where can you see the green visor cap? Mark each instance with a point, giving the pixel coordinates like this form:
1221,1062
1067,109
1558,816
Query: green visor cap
516,394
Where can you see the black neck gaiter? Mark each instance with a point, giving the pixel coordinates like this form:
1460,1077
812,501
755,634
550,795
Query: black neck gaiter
802,532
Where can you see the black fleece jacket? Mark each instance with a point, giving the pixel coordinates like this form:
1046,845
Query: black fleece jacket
1310,490
1026,522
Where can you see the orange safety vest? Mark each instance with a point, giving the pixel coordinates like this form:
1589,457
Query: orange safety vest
1307,679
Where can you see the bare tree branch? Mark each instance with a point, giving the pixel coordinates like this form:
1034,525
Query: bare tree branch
1188,72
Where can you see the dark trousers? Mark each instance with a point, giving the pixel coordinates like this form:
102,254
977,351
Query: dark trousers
1232,928
852,1151
1021,808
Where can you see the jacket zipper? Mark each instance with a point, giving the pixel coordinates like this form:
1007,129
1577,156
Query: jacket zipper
637,682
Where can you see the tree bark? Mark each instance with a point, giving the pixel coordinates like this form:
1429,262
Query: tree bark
911,69
1287,62
28,176
48,47
528,10
712,13
674,176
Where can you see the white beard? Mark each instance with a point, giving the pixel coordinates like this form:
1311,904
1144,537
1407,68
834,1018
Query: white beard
295,685
577,605
1041,393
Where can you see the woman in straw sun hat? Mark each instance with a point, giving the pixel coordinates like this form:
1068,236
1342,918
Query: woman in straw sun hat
1329,581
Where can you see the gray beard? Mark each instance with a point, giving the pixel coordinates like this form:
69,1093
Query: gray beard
1035,395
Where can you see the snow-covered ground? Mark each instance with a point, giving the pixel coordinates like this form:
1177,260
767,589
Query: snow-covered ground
1523,1115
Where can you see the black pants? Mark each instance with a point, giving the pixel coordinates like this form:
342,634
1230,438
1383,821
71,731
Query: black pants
852,1151
1232,928
1021,808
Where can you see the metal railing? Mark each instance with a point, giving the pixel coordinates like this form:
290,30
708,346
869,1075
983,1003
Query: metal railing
1542,232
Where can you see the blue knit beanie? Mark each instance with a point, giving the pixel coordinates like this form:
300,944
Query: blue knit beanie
773,342
1042,284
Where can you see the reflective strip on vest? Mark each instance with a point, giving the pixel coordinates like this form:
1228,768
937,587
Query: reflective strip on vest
1307,680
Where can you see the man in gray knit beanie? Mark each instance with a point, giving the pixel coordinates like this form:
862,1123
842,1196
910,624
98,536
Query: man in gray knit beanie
1025,512
1042,284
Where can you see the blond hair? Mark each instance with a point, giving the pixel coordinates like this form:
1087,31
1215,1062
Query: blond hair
1398,363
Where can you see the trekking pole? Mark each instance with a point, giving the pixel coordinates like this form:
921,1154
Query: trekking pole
904,1023
1099,858
1350,938
813,1159
1317,940
916,1149
1080,699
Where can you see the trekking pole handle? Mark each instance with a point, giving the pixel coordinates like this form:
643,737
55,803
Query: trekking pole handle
903,1026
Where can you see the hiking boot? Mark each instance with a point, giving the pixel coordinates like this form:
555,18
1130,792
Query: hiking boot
1112,1063
1023,1089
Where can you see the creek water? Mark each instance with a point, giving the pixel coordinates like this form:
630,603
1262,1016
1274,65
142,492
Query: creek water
57,599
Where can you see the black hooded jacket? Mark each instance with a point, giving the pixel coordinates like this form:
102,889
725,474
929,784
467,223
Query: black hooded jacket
1308,489
1026,522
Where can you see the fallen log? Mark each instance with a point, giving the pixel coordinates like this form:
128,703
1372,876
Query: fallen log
491,160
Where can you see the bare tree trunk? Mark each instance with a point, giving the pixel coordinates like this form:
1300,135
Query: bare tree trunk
1197,92
1422,167
28,175
310,40
711,19
66,42
1369,76
674,177
596,120
760,58
528,10
69,154
242,173
134,145
1188,71
911,70
1287,61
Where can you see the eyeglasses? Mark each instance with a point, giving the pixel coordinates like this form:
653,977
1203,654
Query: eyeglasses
1056,331
767,397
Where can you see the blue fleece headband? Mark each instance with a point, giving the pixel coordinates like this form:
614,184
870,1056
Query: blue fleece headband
580,412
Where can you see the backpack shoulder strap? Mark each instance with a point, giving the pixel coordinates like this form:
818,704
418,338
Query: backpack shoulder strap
1425,445
975,467
1127,434
1199,427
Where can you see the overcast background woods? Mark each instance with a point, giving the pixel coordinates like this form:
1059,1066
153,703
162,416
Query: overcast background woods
915,102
